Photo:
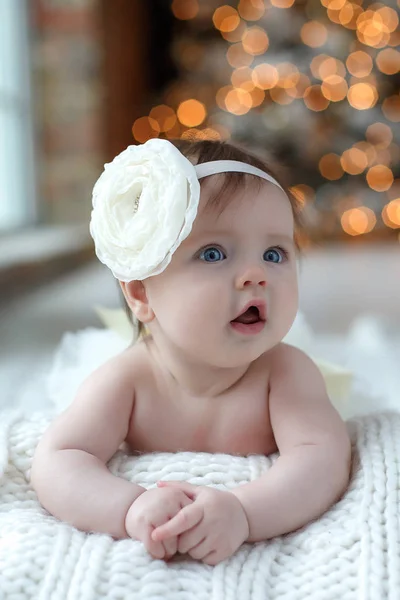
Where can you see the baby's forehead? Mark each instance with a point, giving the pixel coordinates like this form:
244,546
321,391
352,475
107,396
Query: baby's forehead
256,200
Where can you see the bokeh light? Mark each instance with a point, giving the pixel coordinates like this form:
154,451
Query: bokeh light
330,166
391,108
185,9
237,56
251,10
314,98
226,18
145,128
334,88
282,3
388,61
191,112
242,77
255,40
265,76
379,178
362,96
165,117
358,221
379,134
391,214
359,63
341,60
354,161
314,34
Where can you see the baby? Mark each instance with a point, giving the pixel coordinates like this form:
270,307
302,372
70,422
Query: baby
211,271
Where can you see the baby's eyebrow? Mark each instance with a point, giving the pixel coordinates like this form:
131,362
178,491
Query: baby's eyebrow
281,237
215,234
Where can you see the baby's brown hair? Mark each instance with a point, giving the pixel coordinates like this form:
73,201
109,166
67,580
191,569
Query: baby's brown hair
201,151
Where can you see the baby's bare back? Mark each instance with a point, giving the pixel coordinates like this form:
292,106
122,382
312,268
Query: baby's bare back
165,419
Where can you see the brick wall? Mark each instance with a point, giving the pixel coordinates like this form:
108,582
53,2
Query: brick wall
69,105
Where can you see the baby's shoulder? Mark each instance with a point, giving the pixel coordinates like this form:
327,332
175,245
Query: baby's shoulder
288,361
290,367
124,367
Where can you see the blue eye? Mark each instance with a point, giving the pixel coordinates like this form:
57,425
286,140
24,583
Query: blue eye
275,255
212,254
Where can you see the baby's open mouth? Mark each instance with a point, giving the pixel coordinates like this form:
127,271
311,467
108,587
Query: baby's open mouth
250,316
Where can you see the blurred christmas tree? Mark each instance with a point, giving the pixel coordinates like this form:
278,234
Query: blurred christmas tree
314,84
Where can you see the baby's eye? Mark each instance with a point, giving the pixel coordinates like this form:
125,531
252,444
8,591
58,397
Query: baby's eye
212,254
275,255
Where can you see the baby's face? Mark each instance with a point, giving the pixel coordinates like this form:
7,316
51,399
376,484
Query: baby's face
241,257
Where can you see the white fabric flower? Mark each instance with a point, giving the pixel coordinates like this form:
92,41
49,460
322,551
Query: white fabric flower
144,205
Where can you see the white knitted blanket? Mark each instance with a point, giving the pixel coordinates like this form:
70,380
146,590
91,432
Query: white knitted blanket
352,552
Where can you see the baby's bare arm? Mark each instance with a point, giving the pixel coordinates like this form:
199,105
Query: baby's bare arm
69,472
313,469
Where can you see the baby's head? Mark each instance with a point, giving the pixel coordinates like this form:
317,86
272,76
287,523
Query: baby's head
208,243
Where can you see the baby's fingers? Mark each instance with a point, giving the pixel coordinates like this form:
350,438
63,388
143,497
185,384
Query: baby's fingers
185,519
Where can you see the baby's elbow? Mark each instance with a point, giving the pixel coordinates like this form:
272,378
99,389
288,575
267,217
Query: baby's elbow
343,466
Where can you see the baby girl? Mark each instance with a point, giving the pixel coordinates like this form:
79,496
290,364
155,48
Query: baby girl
204,242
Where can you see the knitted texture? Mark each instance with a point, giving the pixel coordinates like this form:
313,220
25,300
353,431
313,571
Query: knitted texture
351,552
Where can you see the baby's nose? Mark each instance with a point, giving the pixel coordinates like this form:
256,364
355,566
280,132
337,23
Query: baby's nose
254,275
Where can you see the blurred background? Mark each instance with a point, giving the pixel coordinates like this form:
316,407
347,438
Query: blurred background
312,85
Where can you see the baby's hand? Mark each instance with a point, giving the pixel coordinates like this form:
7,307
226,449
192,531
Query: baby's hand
211,528
150,510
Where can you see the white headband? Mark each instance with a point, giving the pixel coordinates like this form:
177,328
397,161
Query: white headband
234,166
145,203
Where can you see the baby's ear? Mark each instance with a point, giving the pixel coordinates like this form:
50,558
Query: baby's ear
135,295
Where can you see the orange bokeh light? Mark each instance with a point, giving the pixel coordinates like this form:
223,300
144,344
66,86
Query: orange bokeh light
314,98
358,221
349,14
238,101
362,96
391,108
265,76
282,3
388,61
334,88
330,167
251,10
302,84
191,112
391,214
323,66
368,150
185,9
165,117
242,77
354,161
238,57
280,96
288,75
372,30
380,178
314,34
145,128
379,134
257,96
236,34
359,63
389,17
255,41
226,18
333,4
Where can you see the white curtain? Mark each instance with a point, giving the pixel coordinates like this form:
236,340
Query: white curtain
17,182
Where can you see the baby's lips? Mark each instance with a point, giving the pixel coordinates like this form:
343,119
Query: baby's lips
258,303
